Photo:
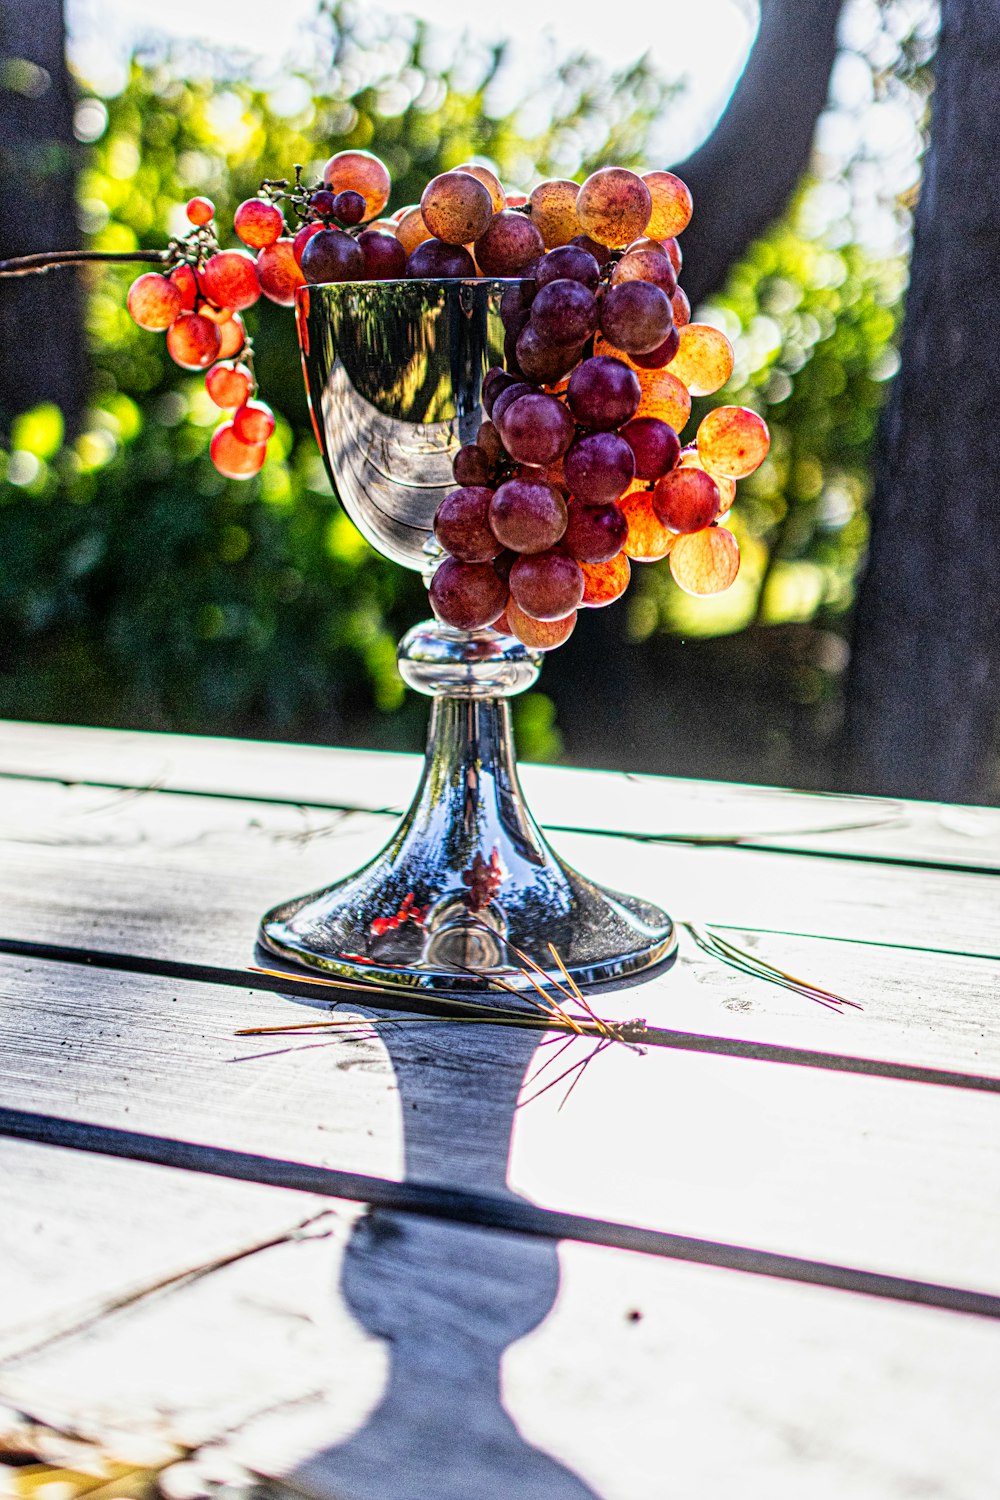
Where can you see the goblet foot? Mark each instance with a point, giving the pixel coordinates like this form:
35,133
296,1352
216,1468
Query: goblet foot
467,884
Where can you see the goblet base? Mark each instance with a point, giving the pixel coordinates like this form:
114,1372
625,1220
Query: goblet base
467,890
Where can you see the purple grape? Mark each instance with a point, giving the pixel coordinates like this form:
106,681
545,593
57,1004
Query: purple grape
508,243
564,312
603,392
570,262
594,533
467,596
471,465
601,253
542,361
385,258
636,316
547,586
507,397
527,515
599,467
661,355
348,207
332,255
435,259
462,525
655,444
494,381
536,429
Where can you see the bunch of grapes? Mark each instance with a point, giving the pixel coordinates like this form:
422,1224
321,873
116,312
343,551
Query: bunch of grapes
578,468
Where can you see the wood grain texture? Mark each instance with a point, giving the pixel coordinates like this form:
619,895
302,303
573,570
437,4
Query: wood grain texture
560,797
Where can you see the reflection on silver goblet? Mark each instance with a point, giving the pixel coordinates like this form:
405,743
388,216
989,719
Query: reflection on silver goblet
394,371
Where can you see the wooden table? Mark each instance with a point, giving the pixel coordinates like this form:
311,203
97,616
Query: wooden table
368,1274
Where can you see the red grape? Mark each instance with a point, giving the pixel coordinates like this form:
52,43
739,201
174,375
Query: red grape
302,238
349,207
193,342
186,282
434,258
538,635
636,316
603,392
505,398
733,440
258,223
655,445
564,312
471,465
509,242
546,585
536,429
385,258
462,525
253,423
279,272
332,255
672,250
229,385
467,596
456,207
649,264
601,253
605,582
614,205
229,279
682,308
232,458
594,533
154,301
599,467
527,515
662,355
706,562
494,381
691,459
363,173
686,499
200,210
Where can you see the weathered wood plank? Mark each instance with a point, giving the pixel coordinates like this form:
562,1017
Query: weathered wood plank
887,1176
560,797
426,1361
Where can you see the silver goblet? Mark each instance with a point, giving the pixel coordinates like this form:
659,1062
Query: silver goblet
394,371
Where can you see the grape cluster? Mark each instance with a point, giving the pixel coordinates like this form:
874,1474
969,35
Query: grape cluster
577,470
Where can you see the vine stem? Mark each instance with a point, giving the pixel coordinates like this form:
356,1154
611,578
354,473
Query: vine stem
47,260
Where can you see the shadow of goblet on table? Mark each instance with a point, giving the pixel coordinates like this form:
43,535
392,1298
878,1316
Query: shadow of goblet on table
447,1299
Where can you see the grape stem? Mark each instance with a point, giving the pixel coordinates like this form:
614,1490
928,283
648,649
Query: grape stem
48,260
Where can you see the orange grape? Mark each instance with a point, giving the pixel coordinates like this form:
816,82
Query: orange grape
456,207
258,223
229,385
489,180
253,422
648,539
279,272
614,206
704,359
213,313
681,306
605,582
233,337
664,396
186,282
200,210
232,458
229,279
686,500
411,230
672,204
705,562
154,301
733,440
553,209
673,253
647,264
363,173
691,459
193,342
538,635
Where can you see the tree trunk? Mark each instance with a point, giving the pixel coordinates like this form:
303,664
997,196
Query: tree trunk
923,681
745,173
42,353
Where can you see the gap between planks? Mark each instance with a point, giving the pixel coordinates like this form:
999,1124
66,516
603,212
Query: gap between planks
484,1211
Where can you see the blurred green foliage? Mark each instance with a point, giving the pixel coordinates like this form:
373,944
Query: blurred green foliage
139,588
